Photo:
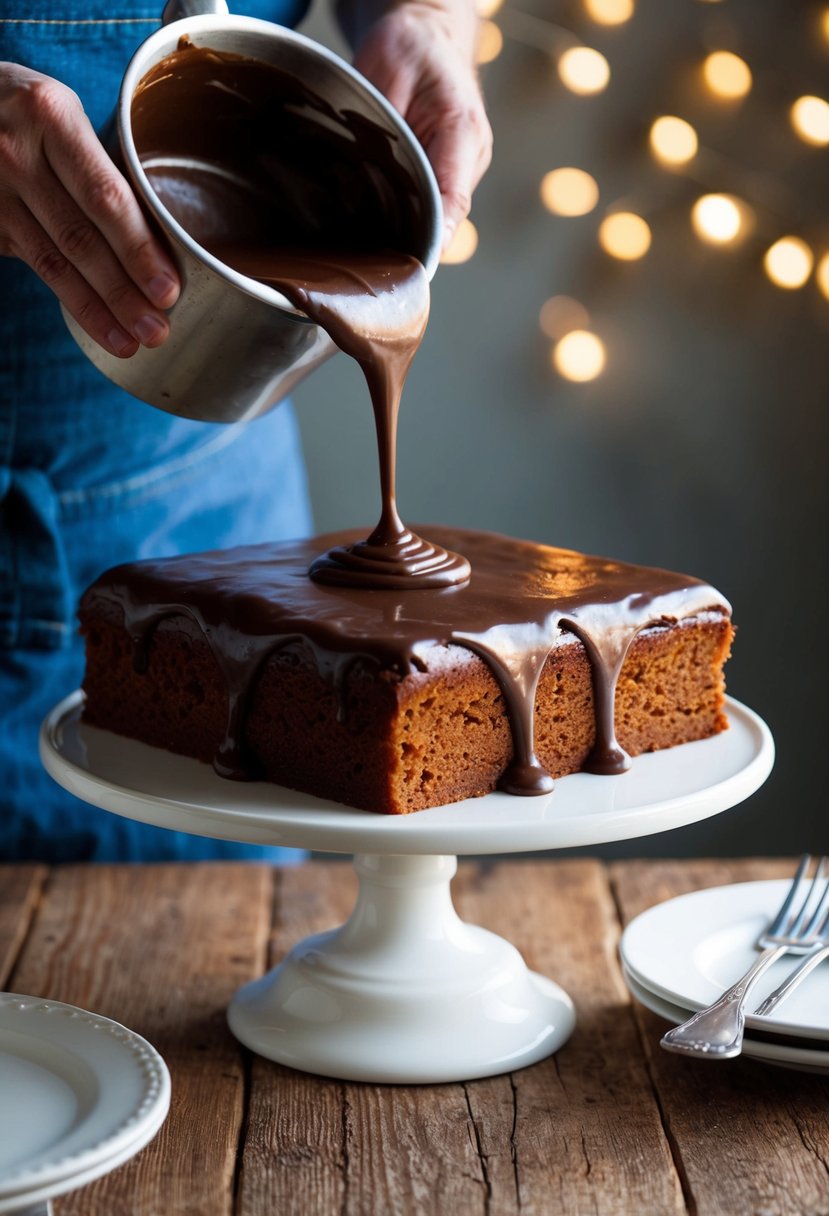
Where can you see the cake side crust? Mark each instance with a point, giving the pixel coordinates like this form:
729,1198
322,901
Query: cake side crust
393,744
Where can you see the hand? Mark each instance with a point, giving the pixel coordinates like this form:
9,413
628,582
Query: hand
68,213
421,56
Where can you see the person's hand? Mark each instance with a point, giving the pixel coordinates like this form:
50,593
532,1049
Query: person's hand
68,213
421,55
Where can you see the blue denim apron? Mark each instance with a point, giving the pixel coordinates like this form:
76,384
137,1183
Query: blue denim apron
90,477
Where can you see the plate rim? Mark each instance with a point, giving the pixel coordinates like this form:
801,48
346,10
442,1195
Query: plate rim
154,1100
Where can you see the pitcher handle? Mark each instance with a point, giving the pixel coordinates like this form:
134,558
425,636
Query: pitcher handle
174,10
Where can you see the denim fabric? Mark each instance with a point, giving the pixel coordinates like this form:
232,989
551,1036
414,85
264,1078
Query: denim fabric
90,477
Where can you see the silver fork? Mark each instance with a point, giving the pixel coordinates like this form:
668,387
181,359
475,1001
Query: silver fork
717,1032
816,955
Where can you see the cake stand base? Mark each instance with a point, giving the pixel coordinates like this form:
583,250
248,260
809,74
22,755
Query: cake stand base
404,991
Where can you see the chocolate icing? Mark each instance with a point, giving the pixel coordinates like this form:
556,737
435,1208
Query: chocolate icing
273,181
520,602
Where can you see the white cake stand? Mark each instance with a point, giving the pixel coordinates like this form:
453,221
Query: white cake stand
405,991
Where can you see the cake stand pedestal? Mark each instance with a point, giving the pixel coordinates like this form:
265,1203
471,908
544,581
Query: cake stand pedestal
405,991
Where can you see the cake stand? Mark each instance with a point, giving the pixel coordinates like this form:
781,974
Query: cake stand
405,991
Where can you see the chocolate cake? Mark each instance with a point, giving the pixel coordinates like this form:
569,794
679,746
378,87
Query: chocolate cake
542,663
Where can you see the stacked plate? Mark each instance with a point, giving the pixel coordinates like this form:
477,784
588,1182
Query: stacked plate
79,1095
683,954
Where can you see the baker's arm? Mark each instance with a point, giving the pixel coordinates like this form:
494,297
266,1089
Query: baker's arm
68,213
421,55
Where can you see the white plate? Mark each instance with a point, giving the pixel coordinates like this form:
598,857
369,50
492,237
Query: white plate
689,950
666,789
801,1059
79,1094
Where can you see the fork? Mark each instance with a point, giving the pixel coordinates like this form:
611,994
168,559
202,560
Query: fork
717,1032
816,955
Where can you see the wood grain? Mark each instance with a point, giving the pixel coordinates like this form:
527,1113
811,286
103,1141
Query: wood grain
747,1137
160,949
20,890
610,1125
586,1132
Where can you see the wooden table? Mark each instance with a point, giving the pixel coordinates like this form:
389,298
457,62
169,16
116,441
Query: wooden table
611,1124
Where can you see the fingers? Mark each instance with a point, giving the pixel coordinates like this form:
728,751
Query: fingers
104,197
34,247
460,152
70,215
77,239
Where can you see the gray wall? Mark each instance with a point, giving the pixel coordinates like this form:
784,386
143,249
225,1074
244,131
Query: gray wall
703,446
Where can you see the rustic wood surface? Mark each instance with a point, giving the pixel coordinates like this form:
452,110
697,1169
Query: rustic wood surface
610,1125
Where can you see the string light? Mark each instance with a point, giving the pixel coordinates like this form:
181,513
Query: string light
822,275
583,70
560,315
625,235
569,191
490,42
717,218
579,356
609,12
810,119
462,246
673,140
727,75
789,262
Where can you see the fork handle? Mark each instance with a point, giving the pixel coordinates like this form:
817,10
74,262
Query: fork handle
806,967
717,1032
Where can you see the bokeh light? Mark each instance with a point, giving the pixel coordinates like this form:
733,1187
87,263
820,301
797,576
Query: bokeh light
625,235
609,12
727,75
717,218
584,70
810,119
488,8
569,191
788,262
673,140
579,356
462,246
824,23
490,42
560,315
822,275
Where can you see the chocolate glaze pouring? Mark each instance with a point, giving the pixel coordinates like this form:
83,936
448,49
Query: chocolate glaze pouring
375,308
233,146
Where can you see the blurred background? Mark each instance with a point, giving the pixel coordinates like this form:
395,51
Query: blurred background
627,352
